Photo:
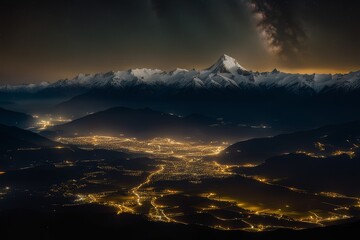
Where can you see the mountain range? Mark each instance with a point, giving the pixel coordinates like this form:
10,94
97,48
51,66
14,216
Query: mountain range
224,90
226,73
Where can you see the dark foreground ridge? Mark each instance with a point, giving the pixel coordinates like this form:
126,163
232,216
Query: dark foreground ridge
90,222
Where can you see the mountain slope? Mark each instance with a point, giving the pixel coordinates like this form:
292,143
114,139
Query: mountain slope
12,118
147,123
337,174
324,141
91,221
12,138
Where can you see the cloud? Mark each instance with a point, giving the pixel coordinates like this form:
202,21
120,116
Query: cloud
279,27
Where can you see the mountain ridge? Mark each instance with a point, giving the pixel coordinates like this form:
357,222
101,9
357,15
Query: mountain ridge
328,140
13,138
225,73
13,118
145,123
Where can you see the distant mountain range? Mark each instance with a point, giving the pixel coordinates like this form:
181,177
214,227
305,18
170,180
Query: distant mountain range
224,90
226,74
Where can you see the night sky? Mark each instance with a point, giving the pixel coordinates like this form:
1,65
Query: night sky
50,40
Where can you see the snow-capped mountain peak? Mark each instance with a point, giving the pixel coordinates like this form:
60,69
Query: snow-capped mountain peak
226,64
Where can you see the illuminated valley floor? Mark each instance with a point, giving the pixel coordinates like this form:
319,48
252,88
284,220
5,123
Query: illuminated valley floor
172,182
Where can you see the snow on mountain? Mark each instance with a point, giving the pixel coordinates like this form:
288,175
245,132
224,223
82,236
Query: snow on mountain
226,64
225,73
31,88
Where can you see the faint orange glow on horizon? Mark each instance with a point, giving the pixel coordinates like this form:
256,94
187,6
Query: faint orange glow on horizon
318,70
53,74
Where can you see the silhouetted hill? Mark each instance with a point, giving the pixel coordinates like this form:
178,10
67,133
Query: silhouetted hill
96,222
147,123
12,118
333,174
326,140
13,138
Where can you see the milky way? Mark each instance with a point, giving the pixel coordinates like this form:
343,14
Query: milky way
282,31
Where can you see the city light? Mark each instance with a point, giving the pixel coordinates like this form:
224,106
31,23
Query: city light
186,161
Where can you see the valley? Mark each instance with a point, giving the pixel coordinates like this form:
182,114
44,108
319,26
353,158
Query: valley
185,188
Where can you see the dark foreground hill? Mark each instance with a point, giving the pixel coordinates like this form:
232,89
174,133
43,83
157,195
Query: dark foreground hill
337,174
12,118
324,141
12,138
95,222
320,160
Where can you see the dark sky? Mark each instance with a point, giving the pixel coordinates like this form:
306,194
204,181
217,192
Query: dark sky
49,40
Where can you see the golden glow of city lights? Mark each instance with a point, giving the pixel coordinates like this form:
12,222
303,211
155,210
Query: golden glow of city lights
316,218
310,154
320,146
160,147
178,161
135,190
4,191
97,198
47,121
351,154
186,164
